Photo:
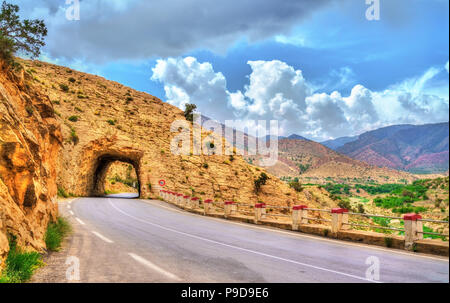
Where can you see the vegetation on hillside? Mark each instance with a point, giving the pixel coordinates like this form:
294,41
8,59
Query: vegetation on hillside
56,232
260,181
20,265
189,112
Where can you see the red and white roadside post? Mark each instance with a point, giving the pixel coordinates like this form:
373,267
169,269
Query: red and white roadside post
344,225
186,200
195,203
229,207
298,216
173,197
207,206
413,230
178,198
260,212
337,218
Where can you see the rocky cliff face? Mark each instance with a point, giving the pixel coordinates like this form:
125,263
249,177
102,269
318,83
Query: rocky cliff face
104,121
30,141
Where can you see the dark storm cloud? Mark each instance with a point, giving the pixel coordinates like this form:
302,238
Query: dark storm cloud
135,29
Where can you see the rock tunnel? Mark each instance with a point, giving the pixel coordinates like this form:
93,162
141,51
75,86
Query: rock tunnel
96,158
101,169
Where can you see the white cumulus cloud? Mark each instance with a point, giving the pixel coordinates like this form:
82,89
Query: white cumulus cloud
277,91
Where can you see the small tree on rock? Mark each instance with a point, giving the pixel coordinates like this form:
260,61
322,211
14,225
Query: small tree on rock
260,182
20,35
189,112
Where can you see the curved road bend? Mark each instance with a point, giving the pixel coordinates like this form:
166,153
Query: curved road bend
126,240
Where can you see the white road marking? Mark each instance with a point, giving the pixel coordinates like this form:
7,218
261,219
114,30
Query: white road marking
154,267
299,235
240,248
68,206
79,221
71,212
102,237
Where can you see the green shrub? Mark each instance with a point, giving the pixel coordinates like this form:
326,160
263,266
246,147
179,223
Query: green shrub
262,179
205,165
73,118
72,80
361,209
20,265
344,203
56,232
111,122
64,87
7,48
73,136
296,186
62,192
189,112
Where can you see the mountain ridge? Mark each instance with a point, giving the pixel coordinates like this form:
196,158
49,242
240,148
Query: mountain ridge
413,148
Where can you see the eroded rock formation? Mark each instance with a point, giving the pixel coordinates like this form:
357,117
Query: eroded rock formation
104,121
30,141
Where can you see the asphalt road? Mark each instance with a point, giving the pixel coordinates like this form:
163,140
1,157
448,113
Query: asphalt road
128,240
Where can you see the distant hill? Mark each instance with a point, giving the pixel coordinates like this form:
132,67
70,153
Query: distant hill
413,148
312,161
316,163
336,143
292,137
297,137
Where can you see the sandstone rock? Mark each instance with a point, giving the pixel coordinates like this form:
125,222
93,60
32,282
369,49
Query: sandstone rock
30,140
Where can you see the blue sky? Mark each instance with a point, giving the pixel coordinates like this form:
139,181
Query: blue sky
319,67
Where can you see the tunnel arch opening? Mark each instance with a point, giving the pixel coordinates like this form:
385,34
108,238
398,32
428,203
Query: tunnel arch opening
100,173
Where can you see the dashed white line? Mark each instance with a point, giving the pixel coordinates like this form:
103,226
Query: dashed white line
242,249
102,237
71,212
79,221
154,267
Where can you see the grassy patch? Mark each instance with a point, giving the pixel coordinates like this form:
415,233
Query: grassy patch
62,193
20,265
73,118
56,232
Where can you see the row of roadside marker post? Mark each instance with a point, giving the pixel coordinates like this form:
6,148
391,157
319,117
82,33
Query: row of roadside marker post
339,216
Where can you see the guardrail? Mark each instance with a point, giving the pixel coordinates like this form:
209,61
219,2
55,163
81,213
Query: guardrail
338,218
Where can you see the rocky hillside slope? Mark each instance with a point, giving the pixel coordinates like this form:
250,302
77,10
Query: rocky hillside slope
104,121
30,140
313,162
414,148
